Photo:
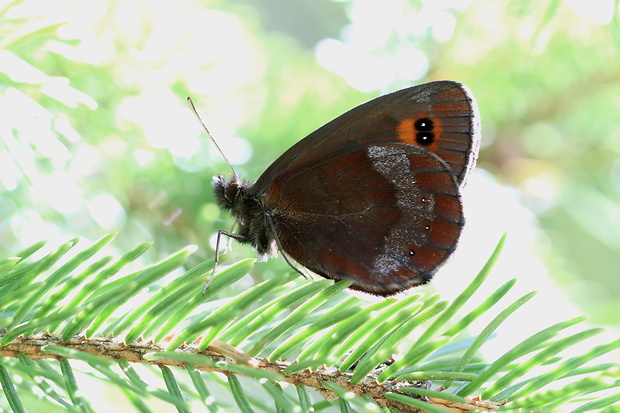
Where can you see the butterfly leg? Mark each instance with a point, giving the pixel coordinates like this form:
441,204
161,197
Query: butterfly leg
216,261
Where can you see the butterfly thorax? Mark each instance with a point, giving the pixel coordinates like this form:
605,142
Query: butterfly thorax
249,211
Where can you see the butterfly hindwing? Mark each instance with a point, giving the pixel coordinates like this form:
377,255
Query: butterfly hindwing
385,216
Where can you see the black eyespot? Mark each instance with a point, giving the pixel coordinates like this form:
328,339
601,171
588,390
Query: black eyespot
427,227
425,138
411,253
423,125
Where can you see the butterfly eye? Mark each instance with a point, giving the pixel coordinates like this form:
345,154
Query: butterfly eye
231,191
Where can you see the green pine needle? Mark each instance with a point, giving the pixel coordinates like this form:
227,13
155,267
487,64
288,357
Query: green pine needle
283,331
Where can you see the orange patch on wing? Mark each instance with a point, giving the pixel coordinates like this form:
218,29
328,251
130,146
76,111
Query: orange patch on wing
407,131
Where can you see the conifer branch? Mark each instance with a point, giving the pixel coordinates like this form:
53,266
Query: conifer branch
220,355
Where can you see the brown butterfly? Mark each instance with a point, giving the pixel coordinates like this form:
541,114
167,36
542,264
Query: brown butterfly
372,196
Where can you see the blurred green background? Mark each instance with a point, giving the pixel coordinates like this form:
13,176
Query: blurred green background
96,136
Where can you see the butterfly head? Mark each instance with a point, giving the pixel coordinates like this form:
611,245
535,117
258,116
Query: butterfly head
227,193
248,211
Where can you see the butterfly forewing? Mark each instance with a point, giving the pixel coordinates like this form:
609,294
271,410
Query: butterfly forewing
401,116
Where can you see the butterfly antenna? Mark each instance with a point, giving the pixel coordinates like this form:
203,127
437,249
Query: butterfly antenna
193,108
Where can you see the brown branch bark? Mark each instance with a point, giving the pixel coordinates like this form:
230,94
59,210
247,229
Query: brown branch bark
109,348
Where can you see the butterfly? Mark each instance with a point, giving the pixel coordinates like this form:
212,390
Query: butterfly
372,196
